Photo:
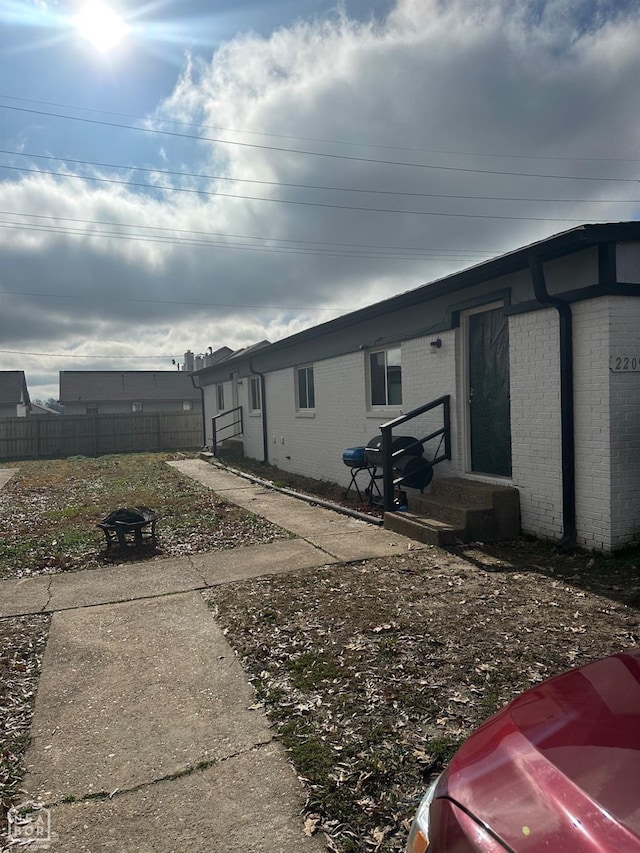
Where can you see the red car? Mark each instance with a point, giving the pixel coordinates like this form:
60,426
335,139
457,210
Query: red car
558,769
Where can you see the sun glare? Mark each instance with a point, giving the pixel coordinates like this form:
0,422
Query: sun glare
100,26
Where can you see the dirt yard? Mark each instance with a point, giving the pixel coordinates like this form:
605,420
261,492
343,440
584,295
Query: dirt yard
372,673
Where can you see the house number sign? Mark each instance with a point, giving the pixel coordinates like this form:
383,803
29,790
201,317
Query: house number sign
624,363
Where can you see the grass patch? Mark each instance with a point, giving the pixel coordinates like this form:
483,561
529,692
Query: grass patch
308,669
49,512
374,674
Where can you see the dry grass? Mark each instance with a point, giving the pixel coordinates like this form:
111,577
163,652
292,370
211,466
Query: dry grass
372,673
48,516
49,512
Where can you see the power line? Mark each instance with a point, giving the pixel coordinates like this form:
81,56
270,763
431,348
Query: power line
359,208
325,140
69,355
110,298
289,185
304,152
181,241
380,247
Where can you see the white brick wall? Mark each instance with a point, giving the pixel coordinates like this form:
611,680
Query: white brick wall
592,423
314,445
624,391
535,420
607,416
607,422
432,373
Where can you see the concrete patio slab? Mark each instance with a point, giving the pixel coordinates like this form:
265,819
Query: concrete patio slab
147,737
6,474
131,693
249,802
210,475
126,582
25,595
303,519
365,544
299,517
132,581
254,561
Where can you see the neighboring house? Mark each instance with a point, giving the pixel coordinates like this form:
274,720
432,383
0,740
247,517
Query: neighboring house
91,392
14,395
539,351
41,409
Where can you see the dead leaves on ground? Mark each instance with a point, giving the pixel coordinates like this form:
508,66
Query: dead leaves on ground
373,673
49,512
22,642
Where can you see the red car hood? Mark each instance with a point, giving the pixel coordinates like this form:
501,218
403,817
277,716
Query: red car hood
559,768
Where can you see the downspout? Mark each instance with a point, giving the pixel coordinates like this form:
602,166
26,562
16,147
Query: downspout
567,419
263,400
204,423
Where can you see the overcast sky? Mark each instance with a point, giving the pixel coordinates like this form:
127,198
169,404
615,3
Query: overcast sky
233,170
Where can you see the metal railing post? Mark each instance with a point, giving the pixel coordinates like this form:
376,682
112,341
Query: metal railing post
386,449
446,417
214,437
387,469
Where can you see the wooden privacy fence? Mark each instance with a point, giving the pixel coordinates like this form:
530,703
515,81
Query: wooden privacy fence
57,436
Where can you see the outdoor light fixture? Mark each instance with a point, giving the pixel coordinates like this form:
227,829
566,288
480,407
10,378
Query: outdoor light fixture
436,344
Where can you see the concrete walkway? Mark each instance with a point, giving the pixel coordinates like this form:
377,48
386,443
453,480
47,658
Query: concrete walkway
146,735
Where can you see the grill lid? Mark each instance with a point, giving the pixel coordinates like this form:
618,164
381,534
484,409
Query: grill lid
411,445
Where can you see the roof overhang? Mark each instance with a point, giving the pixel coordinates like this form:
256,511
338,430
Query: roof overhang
559,245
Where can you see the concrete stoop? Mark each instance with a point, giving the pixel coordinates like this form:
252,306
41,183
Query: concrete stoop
458,510
232,446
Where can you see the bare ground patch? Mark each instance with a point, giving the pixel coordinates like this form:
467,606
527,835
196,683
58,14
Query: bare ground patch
374,673
48,516
50,508
22,642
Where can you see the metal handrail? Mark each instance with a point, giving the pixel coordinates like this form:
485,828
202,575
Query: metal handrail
215,430
388,483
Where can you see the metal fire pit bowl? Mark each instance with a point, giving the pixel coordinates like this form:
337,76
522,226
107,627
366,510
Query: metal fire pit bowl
129,526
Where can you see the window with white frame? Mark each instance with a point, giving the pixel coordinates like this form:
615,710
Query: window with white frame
255,397
136,407
305,389
385,377
220,397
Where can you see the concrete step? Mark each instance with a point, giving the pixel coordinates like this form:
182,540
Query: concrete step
470,493
430,531
457,510
231,447
455,513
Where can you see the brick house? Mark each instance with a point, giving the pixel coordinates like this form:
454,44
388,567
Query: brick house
537,352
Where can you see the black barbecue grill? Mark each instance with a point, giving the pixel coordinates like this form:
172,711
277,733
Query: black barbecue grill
409,468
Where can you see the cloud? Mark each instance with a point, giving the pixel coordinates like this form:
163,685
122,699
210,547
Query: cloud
473,97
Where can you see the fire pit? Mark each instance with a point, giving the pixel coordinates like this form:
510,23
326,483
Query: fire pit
129,526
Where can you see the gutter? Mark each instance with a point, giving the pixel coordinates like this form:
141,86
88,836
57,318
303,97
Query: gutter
204,424
263,401
567,414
